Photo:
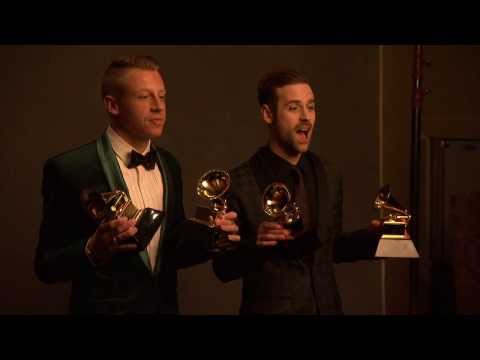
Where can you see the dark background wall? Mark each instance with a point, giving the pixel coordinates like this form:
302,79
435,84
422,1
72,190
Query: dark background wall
51,103
451,110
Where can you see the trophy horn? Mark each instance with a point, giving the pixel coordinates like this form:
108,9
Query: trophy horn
275,199
386,201
277,203
212,186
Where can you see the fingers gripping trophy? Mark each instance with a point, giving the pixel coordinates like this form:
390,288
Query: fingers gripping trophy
212,186
104,207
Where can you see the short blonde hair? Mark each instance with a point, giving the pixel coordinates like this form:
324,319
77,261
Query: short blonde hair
111,78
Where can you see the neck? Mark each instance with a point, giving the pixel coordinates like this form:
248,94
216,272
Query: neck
292,158
138,144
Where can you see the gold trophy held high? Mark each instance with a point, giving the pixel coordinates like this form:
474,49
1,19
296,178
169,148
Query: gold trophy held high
212,187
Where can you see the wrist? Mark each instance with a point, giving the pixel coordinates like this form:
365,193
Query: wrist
93,256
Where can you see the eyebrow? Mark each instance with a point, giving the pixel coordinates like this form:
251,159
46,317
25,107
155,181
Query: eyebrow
149,90
299,101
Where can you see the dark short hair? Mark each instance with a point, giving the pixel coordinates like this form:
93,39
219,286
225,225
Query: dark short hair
110,81
276,79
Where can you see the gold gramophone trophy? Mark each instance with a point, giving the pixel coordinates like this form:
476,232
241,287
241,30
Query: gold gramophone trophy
112,205
277,204
395,241
212,186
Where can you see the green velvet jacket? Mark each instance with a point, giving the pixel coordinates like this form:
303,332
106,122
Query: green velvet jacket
126,284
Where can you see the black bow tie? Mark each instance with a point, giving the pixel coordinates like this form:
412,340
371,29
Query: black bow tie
148,160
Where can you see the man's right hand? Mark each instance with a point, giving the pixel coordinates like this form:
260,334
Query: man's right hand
111,237
270,233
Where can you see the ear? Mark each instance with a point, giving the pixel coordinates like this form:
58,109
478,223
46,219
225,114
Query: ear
111,105
266,114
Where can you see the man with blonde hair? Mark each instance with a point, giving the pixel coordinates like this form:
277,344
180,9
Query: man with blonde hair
110,274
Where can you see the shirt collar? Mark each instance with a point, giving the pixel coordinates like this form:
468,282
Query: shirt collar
121,148
279,164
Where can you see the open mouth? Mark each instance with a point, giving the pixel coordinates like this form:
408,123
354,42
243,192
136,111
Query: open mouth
303,133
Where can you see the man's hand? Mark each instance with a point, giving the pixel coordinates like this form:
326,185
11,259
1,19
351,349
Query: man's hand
226,223
375,225
111,237
269,233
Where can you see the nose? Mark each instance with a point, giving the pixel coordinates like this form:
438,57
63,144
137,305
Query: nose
305,114
157,105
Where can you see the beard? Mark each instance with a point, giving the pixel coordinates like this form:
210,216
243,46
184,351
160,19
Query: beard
288,142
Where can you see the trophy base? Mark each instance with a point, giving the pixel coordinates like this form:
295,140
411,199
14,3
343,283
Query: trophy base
204,216
219,242
296,226
396,246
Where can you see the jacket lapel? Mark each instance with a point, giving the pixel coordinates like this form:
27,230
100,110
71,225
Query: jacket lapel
323,199
115,180
250,193
167,183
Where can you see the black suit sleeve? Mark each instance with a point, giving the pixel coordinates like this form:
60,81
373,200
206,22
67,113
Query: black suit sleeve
350,246
356,245
60,254
189,245
191,241
234,264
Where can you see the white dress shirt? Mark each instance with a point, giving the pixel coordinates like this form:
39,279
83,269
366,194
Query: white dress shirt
145,187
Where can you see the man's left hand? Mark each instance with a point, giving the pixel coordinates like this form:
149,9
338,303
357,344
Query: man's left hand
226,222
375,225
